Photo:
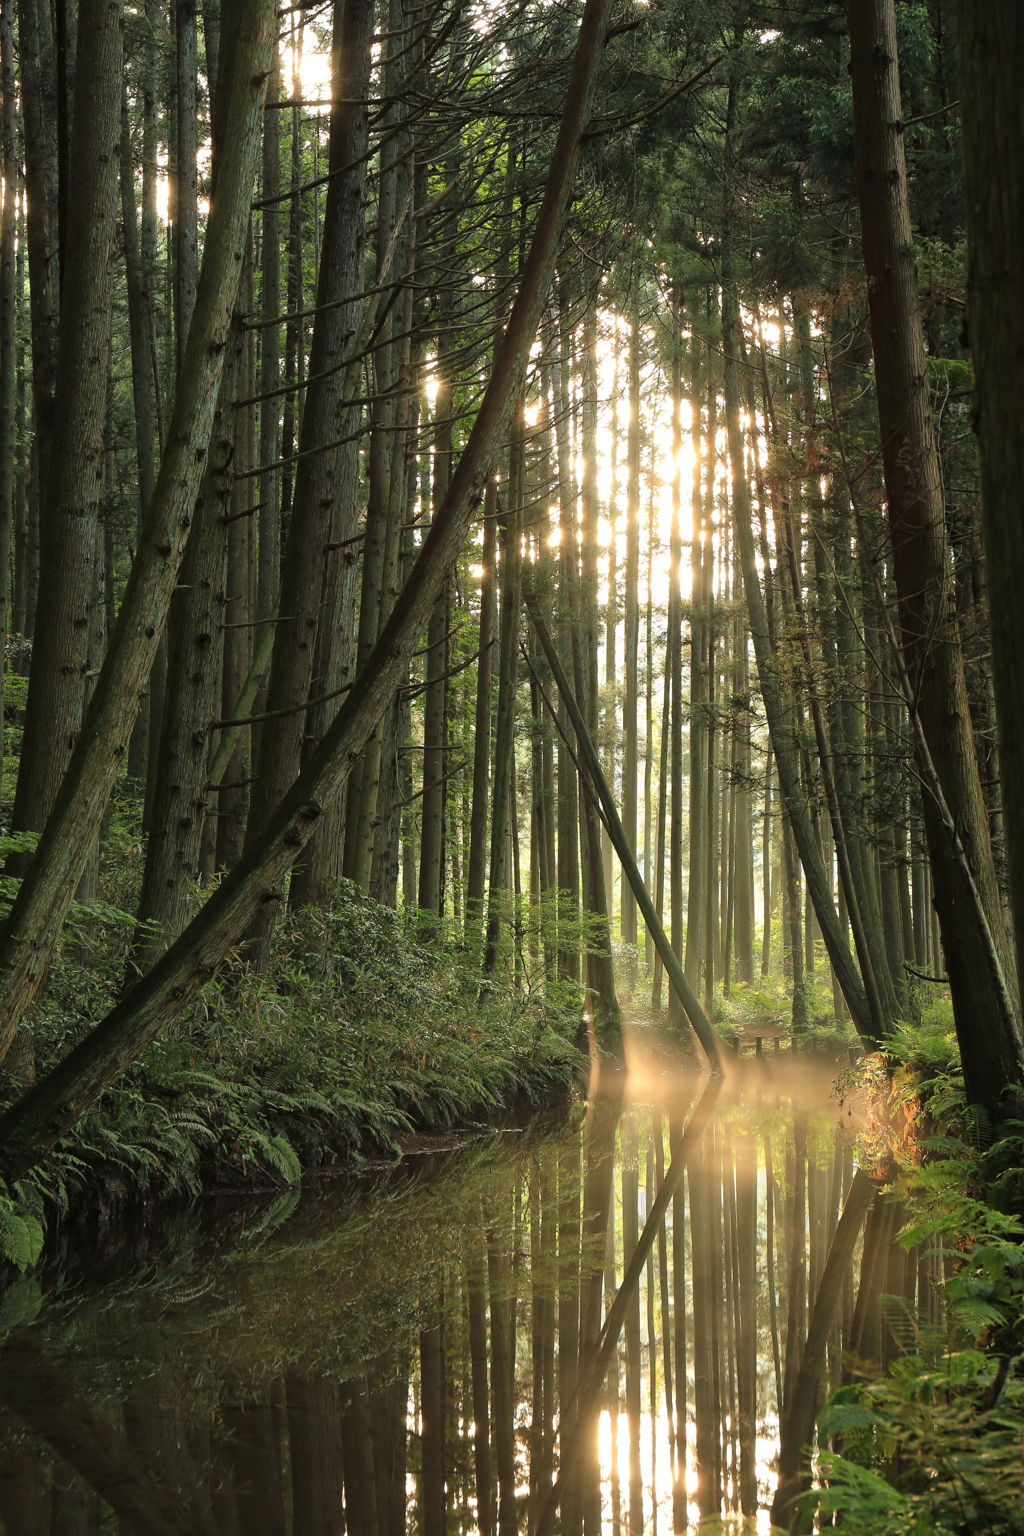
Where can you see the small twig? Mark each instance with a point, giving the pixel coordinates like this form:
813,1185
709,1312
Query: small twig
921,975
415,689
452,772
234,517
279,714
913,121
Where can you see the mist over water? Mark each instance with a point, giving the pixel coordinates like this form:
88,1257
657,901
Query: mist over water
407,1349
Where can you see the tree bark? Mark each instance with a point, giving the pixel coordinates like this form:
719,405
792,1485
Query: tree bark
194,629
37,1121
627,906
979,964
8,322
60,659
34,924
40,237
323,420
476,871
186,173
990,40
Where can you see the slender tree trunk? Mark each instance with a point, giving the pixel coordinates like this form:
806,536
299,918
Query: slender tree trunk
28,1131
627,910
8,325
990,41
41,240
432,838
186,184
60,656
700,549
146,733
380,542
100,748
504,727
482,727
193,698
268,579
324,419
978,956
236,630
674,656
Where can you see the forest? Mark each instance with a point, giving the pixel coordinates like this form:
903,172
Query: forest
510,554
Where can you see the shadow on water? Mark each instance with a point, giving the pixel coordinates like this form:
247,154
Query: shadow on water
622,1322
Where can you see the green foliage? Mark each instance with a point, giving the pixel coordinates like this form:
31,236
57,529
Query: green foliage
358,1034
935,1444
951,1462
21,1231
81,914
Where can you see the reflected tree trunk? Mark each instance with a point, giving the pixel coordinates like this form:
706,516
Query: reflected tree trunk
314,1448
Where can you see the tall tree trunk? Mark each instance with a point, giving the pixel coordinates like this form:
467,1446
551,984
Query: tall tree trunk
380,540
186,185
700,548
194,628
978,956
990,41
869,1018
144,741
674,654
627,911
236,630
476,872
60,656
8,326
40,237
78,811
268,578
324,419
31,1128
504,727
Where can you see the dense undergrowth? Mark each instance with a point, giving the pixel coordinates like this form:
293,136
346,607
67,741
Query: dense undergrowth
935,1443
357,1033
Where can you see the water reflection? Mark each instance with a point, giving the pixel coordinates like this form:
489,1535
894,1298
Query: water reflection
421,1356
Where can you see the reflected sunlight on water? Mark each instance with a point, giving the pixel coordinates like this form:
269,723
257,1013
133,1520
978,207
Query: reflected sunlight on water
403,1352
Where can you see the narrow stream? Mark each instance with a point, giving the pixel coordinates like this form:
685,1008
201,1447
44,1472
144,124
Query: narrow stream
395,1352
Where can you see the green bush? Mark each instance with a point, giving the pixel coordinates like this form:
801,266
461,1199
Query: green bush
935,1444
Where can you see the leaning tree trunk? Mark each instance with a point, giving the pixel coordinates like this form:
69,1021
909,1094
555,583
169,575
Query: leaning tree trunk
60,659
34,924
990,36
42,1116
985,1003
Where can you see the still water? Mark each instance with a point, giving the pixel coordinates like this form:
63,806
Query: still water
407,1350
